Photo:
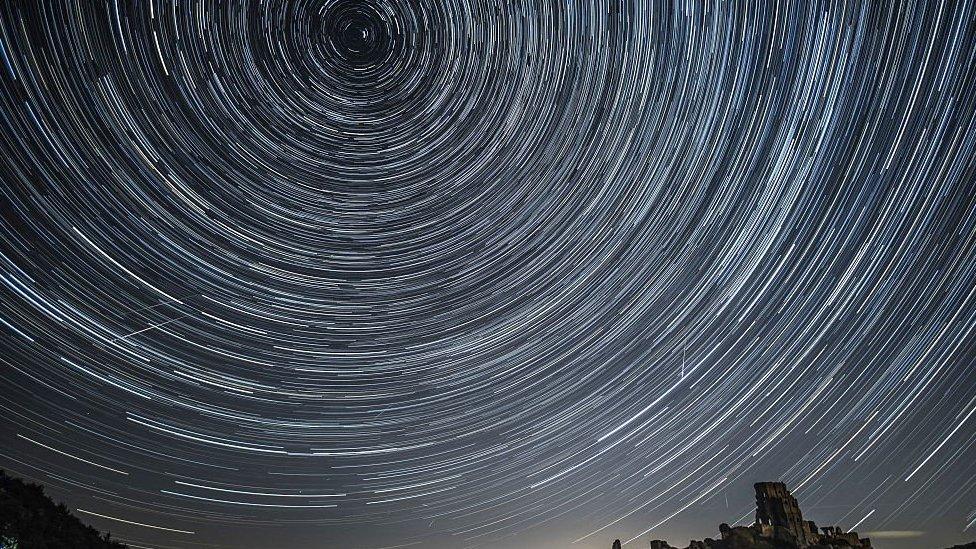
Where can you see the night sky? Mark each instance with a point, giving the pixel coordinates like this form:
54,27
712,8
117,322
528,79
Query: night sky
470,273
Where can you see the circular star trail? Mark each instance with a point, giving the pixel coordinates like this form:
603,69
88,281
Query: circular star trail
451,273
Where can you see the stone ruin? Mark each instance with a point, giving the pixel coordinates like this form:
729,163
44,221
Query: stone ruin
778,517
779,525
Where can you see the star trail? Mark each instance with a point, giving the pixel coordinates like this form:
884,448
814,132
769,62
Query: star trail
466,273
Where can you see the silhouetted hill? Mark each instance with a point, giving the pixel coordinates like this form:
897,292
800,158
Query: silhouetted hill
29,520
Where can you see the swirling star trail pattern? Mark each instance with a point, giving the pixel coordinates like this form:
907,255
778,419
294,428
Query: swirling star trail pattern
463,273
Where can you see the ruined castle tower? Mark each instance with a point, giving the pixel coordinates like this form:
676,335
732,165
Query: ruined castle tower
779,523
778,511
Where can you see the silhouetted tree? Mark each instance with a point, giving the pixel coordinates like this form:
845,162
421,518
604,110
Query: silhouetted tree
29,520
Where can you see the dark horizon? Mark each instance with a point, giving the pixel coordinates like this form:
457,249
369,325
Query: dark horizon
38,522
472,274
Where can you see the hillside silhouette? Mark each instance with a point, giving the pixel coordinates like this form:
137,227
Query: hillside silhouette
29,519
